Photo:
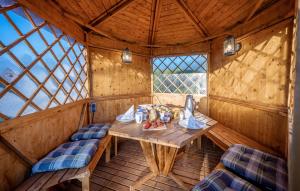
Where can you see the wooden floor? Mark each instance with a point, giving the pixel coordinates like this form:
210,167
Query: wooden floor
130,164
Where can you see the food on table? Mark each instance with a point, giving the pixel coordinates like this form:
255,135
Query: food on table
153,124
153,115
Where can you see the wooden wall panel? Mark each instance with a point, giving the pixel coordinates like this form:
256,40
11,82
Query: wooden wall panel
248,91
116,86
108,109
35,134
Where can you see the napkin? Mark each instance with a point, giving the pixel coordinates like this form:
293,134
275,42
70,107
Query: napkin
129,115
193,123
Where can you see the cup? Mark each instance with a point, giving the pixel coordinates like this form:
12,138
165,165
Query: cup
139,117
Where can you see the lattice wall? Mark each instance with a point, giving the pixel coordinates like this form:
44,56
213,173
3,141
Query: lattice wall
40,67
180,74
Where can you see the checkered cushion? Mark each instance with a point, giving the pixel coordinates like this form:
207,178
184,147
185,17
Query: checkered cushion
220,180
93,131
69,155
262,169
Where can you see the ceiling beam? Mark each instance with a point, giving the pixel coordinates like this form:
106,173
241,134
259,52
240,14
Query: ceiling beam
110,12
256,7
155,15
77,19
192,18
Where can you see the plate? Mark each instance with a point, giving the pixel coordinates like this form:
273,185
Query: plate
184,123
119,118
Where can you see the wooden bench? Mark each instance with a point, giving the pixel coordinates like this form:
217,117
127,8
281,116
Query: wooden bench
224,137
43,181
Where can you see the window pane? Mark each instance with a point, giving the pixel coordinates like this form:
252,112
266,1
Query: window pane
82,76
23,53
7,33
77,67
82,60
48,35
65,43
58,51
74,94
7,3
66,64
78,85
76,49
73,75
28,110
41,99
53,104
72,56
39,71
59,74
20,19
68,85
49,59
181,74
61,97
26,86
10,104
51,85
9,70
57,31
36,41
36,19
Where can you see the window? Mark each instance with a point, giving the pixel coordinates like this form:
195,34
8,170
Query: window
40,67
180,74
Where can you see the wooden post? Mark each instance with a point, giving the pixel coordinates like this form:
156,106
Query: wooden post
294,130
107,152
116,145
85,183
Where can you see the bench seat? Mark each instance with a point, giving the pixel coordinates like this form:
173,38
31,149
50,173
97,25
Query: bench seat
45,180
225,137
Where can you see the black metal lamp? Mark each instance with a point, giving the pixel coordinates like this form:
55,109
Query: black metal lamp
127,56
230,46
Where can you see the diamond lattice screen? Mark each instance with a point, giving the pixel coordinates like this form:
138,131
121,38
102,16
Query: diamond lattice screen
180,74
40,67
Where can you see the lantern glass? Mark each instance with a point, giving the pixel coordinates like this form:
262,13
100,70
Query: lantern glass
127,56
229,46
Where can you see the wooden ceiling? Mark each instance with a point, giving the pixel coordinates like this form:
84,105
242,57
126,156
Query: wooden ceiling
153,23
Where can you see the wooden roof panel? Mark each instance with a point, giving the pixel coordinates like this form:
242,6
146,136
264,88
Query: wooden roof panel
173,26
132,23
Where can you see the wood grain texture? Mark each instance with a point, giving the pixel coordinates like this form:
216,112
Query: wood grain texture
259,74
113,79
37,134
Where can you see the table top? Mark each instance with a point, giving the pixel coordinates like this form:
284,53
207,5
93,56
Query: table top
173,136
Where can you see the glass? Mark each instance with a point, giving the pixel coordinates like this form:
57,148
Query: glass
23,53
7,33
10,104
19,18
41,99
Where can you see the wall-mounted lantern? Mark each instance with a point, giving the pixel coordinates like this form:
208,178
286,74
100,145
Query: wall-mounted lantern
230,46
127,56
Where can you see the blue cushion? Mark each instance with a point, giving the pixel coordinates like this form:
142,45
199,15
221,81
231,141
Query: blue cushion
69,155
93,131
220,180
262,169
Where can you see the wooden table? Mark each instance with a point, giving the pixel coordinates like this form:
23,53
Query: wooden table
160,147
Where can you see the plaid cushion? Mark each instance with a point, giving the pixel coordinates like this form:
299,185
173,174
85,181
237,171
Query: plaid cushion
69,155
262,169
93,131
220,180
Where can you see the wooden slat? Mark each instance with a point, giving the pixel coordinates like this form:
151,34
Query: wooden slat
190,15
256,7
110,12
48,179
156,8
26,157
225,137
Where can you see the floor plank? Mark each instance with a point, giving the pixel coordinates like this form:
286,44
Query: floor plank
130,165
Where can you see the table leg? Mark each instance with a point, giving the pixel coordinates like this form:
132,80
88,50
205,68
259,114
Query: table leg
160,160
